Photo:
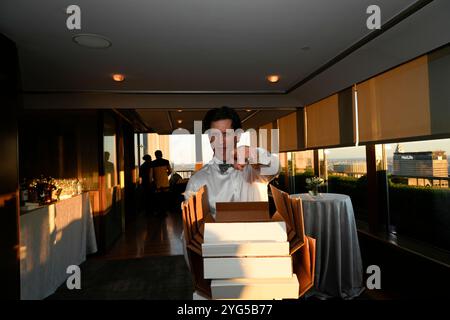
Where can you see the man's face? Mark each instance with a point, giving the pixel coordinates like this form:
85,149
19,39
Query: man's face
221,150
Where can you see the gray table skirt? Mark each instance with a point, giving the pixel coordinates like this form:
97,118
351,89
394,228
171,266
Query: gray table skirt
329,218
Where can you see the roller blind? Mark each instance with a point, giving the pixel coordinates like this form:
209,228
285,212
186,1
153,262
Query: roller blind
395,104
409,101
291,131
329,122
268,127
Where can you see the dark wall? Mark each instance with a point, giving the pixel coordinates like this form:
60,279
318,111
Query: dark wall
59,143
70,144
9,210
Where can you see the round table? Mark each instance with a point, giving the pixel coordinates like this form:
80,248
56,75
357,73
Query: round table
329,218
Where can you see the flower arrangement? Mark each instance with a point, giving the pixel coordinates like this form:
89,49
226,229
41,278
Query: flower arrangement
313,185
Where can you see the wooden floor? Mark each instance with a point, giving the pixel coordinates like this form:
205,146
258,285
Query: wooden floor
149,235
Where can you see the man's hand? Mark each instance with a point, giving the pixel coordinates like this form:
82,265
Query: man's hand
243,155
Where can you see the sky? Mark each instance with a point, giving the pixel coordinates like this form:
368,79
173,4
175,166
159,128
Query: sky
359,152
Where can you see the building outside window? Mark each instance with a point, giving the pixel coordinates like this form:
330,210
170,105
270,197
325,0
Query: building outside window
418,190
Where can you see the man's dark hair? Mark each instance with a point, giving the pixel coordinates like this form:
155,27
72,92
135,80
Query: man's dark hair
147,157
221,113
158,154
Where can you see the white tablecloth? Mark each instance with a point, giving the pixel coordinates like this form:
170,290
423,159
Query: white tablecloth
329,218
51,239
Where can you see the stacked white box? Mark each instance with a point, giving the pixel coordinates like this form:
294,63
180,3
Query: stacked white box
248,260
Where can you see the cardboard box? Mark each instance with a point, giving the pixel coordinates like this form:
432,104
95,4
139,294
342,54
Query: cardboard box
252,211
256,289
196,213
245,249
245,231
247,267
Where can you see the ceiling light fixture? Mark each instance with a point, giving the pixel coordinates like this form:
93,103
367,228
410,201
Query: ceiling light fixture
180,121
179,110
118,77
93,41
273,78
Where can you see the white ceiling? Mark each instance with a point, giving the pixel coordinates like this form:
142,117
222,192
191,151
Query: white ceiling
184,45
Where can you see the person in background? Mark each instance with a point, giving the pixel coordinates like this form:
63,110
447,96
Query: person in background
161,172
147,185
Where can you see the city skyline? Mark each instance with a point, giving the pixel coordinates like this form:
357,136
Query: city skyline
182,150
417,146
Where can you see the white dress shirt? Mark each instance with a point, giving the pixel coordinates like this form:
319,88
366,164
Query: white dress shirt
232,185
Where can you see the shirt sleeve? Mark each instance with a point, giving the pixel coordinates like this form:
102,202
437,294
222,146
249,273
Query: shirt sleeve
191,188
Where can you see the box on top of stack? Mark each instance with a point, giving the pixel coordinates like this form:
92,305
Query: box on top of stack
263,258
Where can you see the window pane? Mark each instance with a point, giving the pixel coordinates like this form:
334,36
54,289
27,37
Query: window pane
346,172
295,168
419,194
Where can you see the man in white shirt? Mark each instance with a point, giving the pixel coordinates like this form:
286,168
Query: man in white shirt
234,174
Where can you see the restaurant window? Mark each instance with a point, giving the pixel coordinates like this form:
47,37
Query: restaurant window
345,172
418,190
182,154
179,149
295,168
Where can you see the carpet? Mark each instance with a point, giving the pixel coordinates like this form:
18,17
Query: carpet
149,278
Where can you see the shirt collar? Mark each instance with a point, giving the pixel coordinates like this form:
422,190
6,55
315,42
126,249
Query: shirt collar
215,163
216,160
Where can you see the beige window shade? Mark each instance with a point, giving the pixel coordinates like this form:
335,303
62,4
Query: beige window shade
439,77
395,104
291,130
329,122
268,127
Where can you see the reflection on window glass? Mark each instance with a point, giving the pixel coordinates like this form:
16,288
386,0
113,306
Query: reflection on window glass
346,162
303,162
283,161
109,151
419,193
345,171
295,168
109,160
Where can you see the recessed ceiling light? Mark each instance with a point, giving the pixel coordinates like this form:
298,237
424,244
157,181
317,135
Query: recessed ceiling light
180,121
94,41
118,77
273,78
179,110
248,110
